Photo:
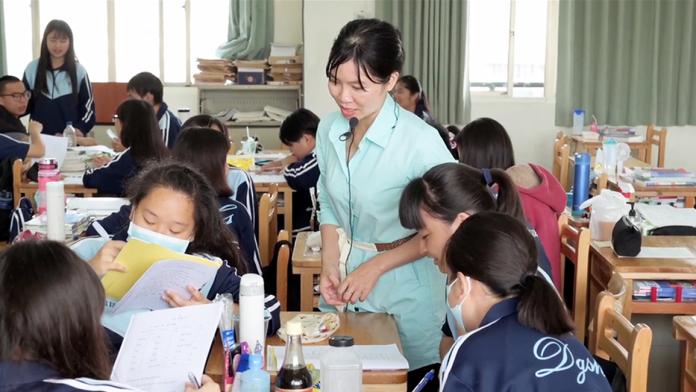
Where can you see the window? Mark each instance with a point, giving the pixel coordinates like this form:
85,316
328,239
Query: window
207,21
18,36
507,47
136,38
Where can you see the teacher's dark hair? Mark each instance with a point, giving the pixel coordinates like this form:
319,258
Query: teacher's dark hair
484,143
373,44
51,304
498,251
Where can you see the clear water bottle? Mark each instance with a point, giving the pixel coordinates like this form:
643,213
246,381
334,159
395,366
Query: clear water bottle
255,379
341,368
70,134
578,121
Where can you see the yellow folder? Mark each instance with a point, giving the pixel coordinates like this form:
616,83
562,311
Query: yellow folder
137,256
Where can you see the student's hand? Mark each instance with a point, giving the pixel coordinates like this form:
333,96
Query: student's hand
273,166
104,262
85,141
35,127
79,133
117,146
328,285
359,283
207,385
175,301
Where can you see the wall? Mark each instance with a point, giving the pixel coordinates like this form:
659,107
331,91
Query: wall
288,21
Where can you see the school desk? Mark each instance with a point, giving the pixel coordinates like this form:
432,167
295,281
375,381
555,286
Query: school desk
365,328
592,145
684,330
687,192
262,186
24,187
603,262
307,265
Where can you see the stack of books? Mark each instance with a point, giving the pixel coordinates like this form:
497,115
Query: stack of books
661,177
251,71
626,135
286,70
75,224
214,71
664,291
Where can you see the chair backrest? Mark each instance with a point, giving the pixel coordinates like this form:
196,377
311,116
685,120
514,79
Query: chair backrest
268,224
561,160
282,263
616,339
656,138
575,245
17,167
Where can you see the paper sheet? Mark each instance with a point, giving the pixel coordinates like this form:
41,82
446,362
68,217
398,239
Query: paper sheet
161,347
664,215
138,256
100,205
374,357
56,147
648,252
267,178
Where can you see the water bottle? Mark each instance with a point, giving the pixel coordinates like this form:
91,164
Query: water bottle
69,133
341,368
578,121
255,379
48,171
581,184
251,310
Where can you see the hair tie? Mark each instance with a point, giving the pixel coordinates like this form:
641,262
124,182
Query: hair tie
527,280
487,176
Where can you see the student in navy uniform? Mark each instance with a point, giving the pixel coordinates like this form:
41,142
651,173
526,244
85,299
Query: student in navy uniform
300,169
206,150
61,304
520,332
239,180
140,136
447,195
175,207
61,90
13,103
146,86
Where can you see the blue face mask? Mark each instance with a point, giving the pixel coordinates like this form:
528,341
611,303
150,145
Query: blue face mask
454,314
153,237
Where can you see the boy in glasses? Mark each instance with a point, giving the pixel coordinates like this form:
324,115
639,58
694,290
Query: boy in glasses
14,98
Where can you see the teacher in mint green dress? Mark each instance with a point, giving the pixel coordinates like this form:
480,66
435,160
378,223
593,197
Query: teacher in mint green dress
368,151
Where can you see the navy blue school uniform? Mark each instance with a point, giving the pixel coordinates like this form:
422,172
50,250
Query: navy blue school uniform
56,107
244,190
11,148
169,125
39,377
302,176
112,177
504,355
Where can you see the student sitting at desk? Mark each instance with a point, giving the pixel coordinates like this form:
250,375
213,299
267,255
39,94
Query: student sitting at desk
14,98
147,87
520,332
300,168
239,181
174,206
51,339
140,136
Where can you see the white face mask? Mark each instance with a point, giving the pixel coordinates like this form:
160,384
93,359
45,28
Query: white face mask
153,237
454,316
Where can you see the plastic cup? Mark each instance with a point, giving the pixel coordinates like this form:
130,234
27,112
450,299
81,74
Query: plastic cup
266,320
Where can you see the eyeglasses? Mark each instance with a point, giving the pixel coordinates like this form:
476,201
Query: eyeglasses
18,96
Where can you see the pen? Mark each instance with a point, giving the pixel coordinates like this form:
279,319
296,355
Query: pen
424,381
194,381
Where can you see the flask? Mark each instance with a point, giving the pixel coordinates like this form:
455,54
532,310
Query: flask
341,368
48,172
293,375
69,133
255,379
581,184
578,121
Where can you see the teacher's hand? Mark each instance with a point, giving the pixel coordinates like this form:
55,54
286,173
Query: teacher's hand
328,285
359,283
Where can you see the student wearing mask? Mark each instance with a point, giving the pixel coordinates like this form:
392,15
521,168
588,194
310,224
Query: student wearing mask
147,87
60,86
520,333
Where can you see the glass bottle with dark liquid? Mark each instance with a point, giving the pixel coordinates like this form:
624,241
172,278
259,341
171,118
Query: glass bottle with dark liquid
293,375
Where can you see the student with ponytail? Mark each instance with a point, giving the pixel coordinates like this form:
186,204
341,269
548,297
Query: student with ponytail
520,332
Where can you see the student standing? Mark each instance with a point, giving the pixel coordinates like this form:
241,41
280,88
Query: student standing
146,86
300,169
520,332
365,164
61,90
140,136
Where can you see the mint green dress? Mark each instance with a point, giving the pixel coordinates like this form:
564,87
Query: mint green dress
397,148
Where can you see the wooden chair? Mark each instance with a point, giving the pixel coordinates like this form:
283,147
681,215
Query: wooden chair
575,245
268,224
17,169
616,339
283,261
657,138
561,160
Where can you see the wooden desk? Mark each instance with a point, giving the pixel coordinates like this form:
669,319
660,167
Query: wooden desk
684,329
591,146
29,189
603,261
307,266
687,192
284,188
365,328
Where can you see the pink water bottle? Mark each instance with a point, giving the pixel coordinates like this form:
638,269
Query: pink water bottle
48,171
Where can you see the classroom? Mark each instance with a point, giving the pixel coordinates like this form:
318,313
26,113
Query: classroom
347,195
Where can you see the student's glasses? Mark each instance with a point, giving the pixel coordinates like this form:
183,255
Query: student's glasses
18,96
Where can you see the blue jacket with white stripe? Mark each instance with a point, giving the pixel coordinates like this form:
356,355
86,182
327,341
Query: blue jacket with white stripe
504,355
169,124
302,176
112,177
38,377
57,107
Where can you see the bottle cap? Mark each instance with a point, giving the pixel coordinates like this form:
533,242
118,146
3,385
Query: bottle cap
341,341
255,361
293,328
251,284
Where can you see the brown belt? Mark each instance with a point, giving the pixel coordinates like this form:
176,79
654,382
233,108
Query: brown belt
383,247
